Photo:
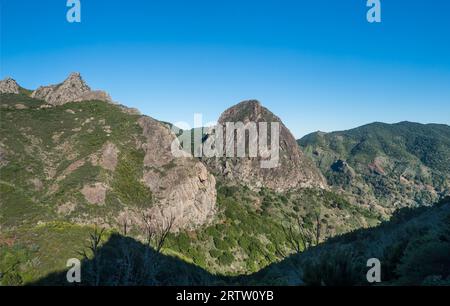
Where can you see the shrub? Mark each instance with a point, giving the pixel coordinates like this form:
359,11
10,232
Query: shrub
423,260
334,268
226,259
183,242
215,253
220,244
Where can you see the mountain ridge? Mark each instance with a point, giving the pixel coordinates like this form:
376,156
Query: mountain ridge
366,158
95,161
68,167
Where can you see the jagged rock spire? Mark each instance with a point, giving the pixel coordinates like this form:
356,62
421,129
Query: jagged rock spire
9,85
73,89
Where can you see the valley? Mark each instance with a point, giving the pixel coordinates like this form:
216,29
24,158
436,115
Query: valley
73,162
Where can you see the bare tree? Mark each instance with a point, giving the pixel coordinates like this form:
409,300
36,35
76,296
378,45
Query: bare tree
94,241
124,222
163,230
155,234
148,227
299,237
93,246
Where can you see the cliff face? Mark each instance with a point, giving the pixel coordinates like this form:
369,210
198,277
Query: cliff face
183,186
93,162
293,170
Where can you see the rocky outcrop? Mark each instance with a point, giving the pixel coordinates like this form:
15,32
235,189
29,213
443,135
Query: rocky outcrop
183,187
94,193
293,171
342,167
73,89
109,156
9,86
99,95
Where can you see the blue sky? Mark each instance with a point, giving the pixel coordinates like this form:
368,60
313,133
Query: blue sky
319,65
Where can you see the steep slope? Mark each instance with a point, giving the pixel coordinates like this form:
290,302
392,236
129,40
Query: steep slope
248,233
69,166
94,162
394,165
294,170
412,247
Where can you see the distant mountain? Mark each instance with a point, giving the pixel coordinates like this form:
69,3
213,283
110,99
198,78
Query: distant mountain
391,165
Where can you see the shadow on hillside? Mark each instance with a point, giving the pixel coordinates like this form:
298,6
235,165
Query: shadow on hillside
125,261
339,261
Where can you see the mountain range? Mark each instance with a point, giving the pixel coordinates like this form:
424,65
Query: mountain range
73,161
385,165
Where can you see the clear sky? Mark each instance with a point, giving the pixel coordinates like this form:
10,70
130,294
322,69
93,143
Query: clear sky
317,64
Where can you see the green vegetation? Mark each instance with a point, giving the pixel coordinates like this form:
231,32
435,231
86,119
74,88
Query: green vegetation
48,158
413,249
127,184
250,232
31,253
405,162
244,239
48,155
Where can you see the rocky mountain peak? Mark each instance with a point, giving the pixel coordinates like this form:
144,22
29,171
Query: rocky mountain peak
245,111
250,106
9,86
75,80
73,89
294,170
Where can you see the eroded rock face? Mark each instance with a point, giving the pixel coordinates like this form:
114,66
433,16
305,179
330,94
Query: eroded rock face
294,170
109,156
99,95
94,193
9,86
73,89
183,186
